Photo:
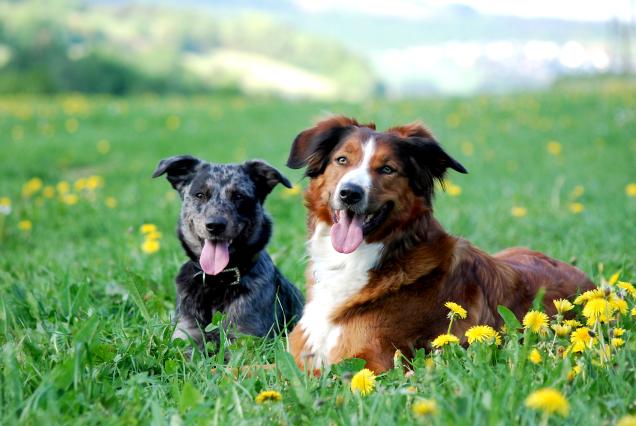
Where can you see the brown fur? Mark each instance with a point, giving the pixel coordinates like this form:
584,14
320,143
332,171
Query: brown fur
402,305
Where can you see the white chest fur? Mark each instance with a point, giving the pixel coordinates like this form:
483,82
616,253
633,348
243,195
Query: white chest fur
337,277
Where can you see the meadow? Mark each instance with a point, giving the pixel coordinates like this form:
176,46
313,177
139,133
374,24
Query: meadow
86,297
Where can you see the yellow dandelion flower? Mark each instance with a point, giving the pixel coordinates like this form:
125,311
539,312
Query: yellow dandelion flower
580,339
633,312
63,187
70,199
453,190
630,190
267,396
456,309
31,187
628,420
535,356
535,321
80,184
575,371
48,191
563,305
293,191
589,295
561,329
554,147
483,334
443,340
363,382
518,211
154,235
148,228
617,342
549,401
5,206
614,278
618,332
424,407
572,323
25,225
618,304
576,208
150,246
628,287
429,363
111,202
597,310
94,182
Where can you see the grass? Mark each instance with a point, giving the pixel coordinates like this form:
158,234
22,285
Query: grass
85,314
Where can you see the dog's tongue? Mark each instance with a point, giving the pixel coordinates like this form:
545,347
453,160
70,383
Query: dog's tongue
346,235
214,257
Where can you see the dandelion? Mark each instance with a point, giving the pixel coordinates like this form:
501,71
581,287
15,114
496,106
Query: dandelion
456,310
575,371
577,191
618,332
563,305
25,225
70,199
597,310
535,356
549,401
580,339
148,228
617,342
150,246
633,312
576,208
94,182
111,202
483,334
31,187
614,278
293,191
453,190
535,321
628,420
561,329
630,190
5,206
618,304
363,382
589,295
48,191
572,323
424,407
554,148
518,211
267,396
443,340
80,184
63,187
627,287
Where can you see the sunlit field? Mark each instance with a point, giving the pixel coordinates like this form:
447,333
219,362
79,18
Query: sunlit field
87,293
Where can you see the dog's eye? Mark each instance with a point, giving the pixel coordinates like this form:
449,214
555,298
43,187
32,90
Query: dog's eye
342,160
238,196
387,170
200,195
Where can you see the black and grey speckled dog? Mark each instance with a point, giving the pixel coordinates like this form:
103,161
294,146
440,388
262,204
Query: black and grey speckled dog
224,229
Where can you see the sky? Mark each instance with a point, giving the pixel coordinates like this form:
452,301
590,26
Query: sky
582,10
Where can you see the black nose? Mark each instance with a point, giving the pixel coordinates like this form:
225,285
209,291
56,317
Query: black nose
216,225
351,193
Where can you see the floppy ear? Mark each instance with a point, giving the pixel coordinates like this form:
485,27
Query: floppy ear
312,147
426,162
265,177
180,170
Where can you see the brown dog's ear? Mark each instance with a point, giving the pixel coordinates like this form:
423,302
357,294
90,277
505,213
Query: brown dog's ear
265,177
426,162
180,170
312,147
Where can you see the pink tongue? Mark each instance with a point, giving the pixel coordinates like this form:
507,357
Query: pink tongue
346,235
214,257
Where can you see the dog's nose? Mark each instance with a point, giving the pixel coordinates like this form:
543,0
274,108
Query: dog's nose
351,193
216,225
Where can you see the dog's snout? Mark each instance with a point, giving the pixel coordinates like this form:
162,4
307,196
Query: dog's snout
216,225
351,194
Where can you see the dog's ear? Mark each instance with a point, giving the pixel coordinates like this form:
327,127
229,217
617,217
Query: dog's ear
312,147
426,162
179,170
265,177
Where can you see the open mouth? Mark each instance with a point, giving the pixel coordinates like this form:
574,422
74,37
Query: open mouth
350,228
215,256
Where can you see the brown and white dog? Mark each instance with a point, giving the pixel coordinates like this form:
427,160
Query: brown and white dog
381,267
